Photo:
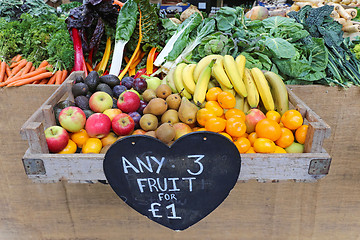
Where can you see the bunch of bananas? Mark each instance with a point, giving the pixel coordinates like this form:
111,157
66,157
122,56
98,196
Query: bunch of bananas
251,87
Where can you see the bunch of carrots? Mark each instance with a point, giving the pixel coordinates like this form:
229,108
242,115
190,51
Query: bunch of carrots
21,72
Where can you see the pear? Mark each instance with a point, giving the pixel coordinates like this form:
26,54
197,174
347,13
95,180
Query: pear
170,116
156,106
173,101
165,132
187,111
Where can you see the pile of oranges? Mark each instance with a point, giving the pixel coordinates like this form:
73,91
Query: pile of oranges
273,134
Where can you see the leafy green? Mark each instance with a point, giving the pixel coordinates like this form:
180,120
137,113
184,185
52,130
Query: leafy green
126,21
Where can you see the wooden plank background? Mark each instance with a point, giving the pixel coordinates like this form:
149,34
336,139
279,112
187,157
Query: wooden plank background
328,209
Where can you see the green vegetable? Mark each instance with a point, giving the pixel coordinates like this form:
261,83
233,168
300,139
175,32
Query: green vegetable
179,39
125,27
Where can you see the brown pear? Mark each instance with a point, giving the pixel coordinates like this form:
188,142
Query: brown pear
165,132
156,106
187,111
148,122
163,91
148,94
170,116
173,101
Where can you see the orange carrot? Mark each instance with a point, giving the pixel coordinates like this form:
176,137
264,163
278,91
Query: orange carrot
64,76
52,79
32,68
5,77
7,70
30,74
16,69
58,78
43,64
27,68
44,81
14,64
2,71
16,58
36,82
31,79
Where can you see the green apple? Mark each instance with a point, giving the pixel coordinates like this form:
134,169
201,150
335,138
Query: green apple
295,148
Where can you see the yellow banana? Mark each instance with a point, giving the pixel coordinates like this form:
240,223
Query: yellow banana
202,84
240,63
188,78
253,94
246,106
263,88
218,72
178,81
203,63
239,102
278,91
234,76
170,80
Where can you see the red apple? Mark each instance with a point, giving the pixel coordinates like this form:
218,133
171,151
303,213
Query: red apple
111,113
253,116
128,102
122,124
181,129
56,138
98,125
72,119
100,101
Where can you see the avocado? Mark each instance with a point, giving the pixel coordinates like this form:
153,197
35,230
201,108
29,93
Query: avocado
88,112
79,89
104,88
79,79
115,103
92,80
60,106
110,80
82,102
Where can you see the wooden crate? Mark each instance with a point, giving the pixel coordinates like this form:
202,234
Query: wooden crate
41,166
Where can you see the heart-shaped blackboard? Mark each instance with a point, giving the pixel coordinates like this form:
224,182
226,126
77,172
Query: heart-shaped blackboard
174,186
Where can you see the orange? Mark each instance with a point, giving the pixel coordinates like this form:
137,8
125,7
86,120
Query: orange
300,133
252,137
226,135
233,112
279,150
92,145
264,145
200,129
235,127
212,93
245,135
273,115
251,150
292,119
79,137
70,148
267,128
242,144
215,106
286,138
226,100
203,115
215,124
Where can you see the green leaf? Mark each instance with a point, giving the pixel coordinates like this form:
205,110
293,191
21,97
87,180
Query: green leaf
280,48
126,21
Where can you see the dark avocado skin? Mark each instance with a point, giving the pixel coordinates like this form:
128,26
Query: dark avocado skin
110,80
104,88
92,80
88,112
79,79
79,89
82,102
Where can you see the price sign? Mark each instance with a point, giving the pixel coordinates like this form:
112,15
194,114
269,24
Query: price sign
174,186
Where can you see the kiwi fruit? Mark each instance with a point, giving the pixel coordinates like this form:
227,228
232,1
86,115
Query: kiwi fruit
173,101
148,122
170,116
163,91
165,132
156,106
148,94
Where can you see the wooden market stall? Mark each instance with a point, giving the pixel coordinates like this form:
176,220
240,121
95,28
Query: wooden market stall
326,209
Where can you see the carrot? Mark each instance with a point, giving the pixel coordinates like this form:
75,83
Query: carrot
30,74
44,81
5,77
43,64
2,71
16,69
58,78
36,82
32,68
14,64
16,58
64,76
7,70
135,52
31,79
52,79
27,68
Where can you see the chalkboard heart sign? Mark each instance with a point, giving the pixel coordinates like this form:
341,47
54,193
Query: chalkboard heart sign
174,186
